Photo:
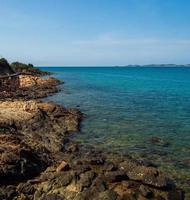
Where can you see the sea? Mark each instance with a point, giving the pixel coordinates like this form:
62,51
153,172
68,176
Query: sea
143,112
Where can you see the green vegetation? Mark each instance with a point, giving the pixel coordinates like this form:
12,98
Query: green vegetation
27,68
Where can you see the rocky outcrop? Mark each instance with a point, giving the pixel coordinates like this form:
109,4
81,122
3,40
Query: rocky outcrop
32,87
5,68
32,137
39,125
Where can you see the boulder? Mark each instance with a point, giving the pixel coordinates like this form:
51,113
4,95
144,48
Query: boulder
147,175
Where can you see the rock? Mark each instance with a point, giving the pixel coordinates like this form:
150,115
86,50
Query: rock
145,191
17,161
63,166
5,68
26,188
140,197
176,195
116,176
147,175
8,193
109,166
32,87
52,197
158,141
155,179
97,161
72,148
107,195
155,140
129,197
86,179
79,169
61,179
98,185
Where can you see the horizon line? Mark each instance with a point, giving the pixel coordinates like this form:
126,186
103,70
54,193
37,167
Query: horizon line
130,65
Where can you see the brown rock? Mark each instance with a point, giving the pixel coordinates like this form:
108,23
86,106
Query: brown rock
62,167
145,191
148,175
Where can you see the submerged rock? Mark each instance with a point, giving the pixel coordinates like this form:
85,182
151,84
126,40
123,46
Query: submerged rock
147,175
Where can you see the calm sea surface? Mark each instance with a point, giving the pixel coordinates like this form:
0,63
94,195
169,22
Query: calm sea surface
144,112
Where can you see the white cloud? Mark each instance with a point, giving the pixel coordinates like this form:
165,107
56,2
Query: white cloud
106,49
109,49
114,41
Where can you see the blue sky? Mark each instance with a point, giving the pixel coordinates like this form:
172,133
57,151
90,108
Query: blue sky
95,32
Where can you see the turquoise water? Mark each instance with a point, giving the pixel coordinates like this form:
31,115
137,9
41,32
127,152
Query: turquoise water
126,107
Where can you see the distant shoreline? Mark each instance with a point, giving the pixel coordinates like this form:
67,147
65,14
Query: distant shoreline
127,66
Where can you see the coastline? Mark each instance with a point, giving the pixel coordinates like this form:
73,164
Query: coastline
66,169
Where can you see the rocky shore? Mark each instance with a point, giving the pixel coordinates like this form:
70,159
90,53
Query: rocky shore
40,160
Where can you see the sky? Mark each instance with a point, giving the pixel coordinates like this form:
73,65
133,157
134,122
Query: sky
95,32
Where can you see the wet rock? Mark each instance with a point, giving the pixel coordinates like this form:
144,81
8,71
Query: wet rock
156,179
145,191
148,175
155,140
72,148
116,176
146,163
109,166
176,195
97,161
158,141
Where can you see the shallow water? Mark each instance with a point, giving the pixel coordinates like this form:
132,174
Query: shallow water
126,107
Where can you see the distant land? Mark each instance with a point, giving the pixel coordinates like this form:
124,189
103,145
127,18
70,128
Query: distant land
157,65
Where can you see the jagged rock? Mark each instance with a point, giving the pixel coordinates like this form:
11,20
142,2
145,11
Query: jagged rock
63,166
109,166
17,161
145,191
116,176
8,193
107,195
32,87
148,175
51,197
25,188
98,185
86,179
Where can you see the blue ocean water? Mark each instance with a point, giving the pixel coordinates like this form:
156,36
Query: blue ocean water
141,111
